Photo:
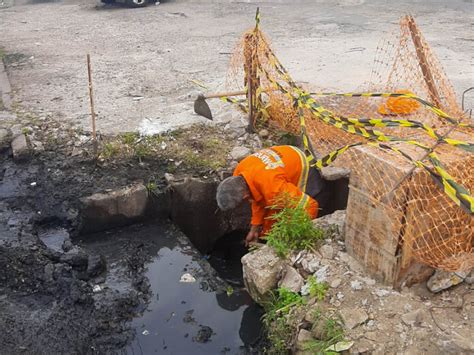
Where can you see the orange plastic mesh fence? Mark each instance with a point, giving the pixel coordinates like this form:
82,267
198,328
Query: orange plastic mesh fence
411,144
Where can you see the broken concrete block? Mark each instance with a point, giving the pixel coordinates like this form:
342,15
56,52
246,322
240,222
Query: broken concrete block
308,262
121,207
332,173
335,220
291,279
20,147
303,337
239,153
353,317
326,251
442,280
262,270
5,138
194,210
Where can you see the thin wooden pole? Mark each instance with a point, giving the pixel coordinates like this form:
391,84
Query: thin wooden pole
91,100
250,93
420,53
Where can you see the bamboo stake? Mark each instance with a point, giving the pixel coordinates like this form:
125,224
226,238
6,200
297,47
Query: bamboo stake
91,100
250,97
420,53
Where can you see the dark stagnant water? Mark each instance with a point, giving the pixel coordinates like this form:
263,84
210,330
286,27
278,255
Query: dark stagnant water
208,316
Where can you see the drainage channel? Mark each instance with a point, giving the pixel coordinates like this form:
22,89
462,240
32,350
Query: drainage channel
188,308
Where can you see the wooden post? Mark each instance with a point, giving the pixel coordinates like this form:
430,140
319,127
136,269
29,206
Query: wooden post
250,95
91,100
420,53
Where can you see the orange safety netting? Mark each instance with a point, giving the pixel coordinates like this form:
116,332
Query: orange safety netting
407,142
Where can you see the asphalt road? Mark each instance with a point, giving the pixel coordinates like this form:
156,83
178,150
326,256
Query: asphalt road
144,59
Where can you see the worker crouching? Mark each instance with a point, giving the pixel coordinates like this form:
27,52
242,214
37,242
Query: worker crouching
264,176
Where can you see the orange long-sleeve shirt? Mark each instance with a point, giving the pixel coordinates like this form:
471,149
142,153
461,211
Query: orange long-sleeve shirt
271,172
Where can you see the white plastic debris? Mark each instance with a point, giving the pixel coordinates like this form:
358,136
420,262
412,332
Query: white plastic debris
163,145
356,285
322,274
187,278
33,183
381,292
96,288
145,332
340,346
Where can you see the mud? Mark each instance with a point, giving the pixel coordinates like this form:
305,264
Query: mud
117,291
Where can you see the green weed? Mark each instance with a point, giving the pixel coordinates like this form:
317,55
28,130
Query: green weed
317,289
293,228
151,187
141,151
110,150
328,332
129,138
278,320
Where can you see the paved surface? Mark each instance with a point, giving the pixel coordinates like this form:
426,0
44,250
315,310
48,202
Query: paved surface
144,59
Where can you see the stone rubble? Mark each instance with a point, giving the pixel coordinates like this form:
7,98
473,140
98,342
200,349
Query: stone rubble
377,319
20,148
262,269
291,279
353,317
239,153
327,251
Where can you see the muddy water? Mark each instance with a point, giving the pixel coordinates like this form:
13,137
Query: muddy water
204,316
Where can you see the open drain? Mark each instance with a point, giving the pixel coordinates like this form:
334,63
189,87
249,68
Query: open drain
201,315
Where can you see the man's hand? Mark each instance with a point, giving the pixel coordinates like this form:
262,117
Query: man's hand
253,234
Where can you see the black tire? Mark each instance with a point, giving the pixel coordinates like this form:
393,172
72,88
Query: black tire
136,3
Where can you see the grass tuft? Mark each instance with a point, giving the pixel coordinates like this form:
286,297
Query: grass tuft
280,321
317,289
328,331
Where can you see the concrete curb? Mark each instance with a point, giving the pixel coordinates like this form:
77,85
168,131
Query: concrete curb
5,87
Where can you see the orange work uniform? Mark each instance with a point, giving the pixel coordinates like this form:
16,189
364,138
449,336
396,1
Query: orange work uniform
271,172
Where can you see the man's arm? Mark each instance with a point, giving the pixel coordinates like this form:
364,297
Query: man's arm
253,234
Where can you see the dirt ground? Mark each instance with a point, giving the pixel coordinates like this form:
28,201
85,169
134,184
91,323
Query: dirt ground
381,320
144,59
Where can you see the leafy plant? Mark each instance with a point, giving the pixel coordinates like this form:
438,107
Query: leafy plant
141,151
328,331
129,138
151,187
292,228
278,320
110,150
317,289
